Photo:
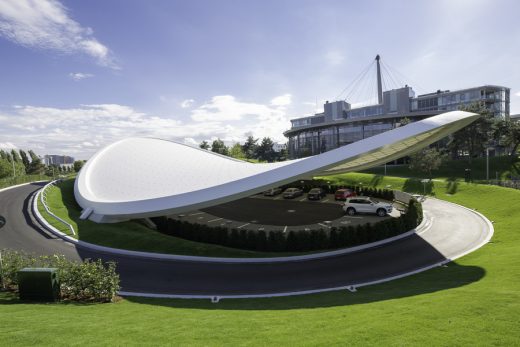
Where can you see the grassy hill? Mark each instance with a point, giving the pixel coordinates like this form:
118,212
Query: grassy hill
473,301
502,167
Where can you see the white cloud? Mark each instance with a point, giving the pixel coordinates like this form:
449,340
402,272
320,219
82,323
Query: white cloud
78,76
7,145
334,58
517,93
282,100
81,131
227,108
45,24
187,103
190,141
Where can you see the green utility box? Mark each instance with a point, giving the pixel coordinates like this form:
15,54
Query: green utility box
39,284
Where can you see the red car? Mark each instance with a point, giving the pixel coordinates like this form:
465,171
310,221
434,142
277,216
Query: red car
343,194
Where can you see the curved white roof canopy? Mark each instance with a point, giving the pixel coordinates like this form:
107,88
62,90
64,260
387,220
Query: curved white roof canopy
146,177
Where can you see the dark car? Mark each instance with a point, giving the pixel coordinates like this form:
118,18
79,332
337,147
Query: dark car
316,194
273,192
291,193
343,194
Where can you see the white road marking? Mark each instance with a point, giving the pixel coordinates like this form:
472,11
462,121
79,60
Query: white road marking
285,229
214,220
303,199
196,214
243,225
324,200
323,225
278,198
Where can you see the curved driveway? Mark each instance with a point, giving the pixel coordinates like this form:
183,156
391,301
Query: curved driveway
454,232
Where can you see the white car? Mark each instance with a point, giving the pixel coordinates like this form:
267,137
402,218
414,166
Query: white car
364,204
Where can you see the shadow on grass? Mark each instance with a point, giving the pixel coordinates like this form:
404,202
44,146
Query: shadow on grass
416,186
376,180
11,298
452,185
443,278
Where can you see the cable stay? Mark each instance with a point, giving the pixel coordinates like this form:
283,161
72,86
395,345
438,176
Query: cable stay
368,86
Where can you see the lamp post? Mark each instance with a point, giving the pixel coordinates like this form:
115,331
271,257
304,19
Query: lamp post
487,163
424,186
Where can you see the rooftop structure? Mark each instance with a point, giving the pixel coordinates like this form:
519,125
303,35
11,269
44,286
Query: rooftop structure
115,185
340,124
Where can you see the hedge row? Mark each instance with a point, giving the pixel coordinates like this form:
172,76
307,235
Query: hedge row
384,194
293,241
91,281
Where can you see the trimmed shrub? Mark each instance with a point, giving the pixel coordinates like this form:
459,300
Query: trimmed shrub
92,281
302,240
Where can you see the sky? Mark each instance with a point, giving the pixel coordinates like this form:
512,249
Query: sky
78,75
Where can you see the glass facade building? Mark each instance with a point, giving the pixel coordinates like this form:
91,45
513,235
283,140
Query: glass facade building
339,124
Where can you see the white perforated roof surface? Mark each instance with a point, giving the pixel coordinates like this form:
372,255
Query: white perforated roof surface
141,177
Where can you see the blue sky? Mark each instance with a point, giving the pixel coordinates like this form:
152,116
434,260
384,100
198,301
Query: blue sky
77,75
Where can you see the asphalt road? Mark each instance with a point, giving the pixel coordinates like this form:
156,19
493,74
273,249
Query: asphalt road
454,231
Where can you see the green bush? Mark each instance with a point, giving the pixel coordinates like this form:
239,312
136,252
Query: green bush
301,240
89,280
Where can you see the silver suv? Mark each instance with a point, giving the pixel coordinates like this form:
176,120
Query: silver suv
364,204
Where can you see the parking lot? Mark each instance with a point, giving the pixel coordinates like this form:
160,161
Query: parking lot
276,213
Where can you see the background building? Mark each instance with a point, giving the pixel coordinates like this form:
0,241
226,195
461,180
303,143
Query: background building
59,160
339,124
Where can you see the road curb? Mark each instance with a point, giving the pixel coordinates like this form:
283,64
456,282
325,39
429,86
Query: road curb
425,224
350,288
22,184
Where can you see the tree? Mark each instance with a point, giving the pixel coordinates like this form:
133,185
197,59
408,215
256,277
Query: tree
78,164
6,168
265,150
15,156
4,155
19,168
204,145
507,133
218,146
427,160
404,121
236,151
25,159
474,138
36,166
249,147
282,155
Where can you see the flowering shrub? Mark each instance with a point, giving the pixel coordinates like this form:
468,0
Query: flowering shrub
89,280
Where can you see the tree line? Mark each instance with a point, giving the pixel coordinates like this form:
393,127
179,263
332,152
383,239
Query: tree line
471,141
251,149
15,163
19,163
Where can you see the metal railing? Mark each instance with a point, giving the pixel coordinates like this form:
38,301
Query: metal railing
43,200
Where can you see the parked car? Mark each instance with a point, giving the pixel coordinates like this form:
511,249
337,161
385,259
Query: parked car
291,193
364,204
343,194
273,192
316,194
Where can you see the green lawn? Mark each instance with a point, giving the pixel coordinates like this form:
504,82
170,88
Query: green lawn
473,302
498,166
10,181
128,235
